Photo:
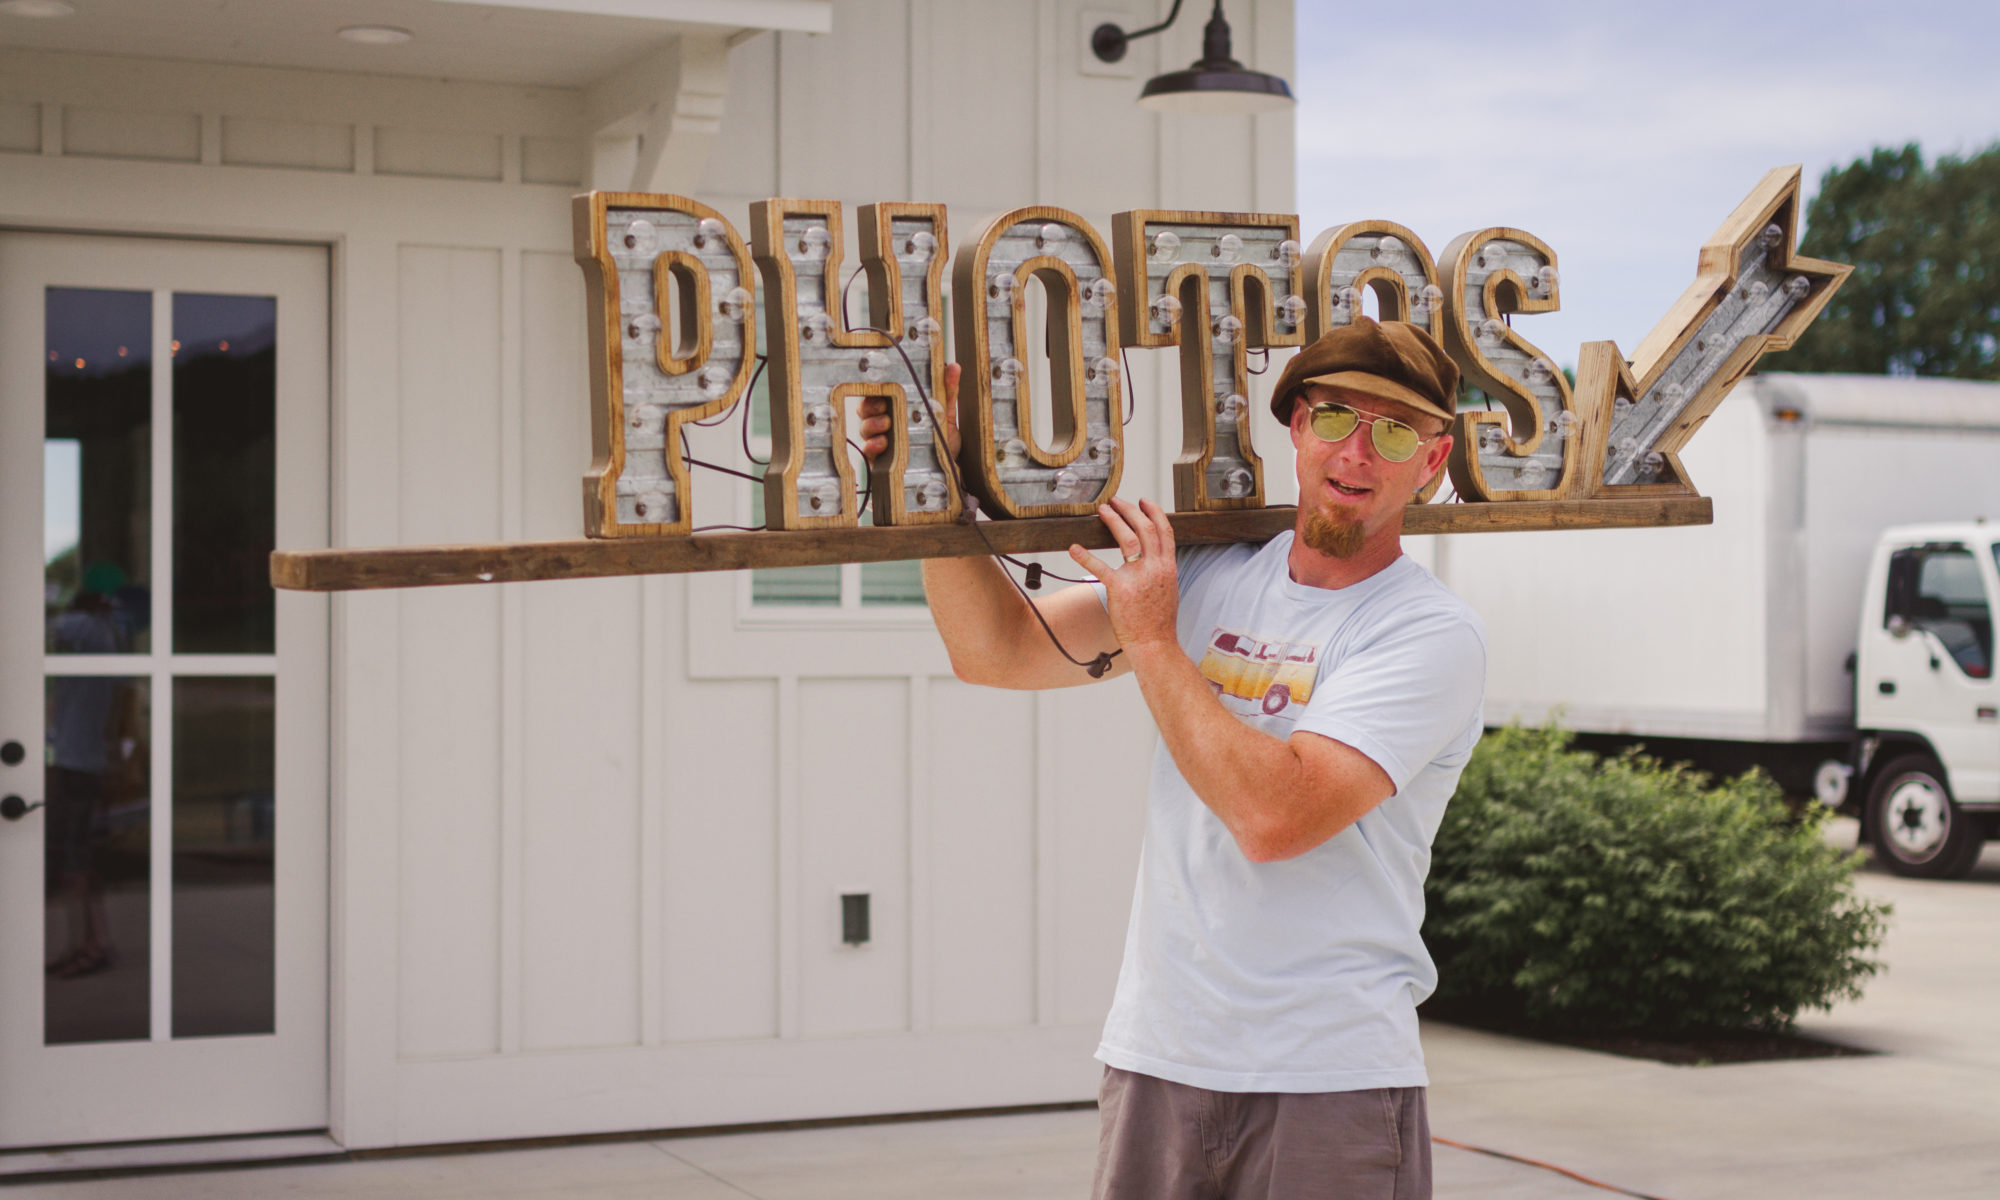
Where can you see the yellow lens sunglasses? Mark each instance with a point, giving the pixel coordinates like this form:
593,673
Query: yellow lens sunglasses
1393,440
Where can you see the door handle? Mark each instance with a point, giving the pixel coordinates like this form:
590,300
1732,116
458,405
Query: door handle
13,808
1887,687
12,753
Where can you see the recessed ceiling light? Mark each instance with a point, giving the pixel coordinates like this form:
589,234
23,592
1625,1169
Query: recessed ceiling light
375,35
37,8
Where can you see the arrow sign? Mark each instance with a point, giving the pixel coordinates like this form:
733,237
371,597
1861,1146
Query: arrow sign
1751,295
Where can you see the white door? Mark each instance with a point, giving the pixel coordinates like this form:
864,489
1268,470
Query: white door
163,425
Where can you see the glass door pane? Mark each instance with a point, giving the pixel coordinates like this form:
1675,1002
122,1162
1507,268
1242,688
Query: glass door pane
97,860
225,473
98,471
224,824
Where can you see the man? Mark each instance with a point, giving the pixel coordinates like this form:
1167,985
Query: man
1317,698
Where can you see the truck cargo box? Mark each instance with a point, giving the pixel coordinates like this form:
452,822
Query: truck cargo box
1739,631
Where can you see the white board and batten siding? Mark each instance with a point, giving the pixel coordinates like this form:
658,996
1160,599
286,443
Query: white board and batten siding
589,837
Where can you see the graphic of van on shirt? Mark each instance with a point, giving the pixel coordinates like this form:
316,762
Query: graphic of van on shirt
1269,674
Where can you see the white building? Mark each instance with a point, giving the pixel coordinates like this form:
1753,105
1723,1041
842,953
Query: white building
492,862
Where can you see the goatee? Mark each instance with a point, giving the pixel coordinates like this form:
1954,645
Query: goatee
1333,537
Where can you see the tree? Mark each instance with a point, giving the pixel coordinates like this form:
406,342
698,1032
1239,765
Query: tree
1924,298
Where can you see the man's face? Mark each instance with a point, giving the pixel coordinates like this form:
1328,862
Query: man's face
1348,493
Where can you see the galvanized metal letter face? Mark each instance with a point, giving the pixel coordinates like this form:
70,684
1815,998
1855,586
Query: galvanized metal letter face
1005,462
1217,285
817,364
648,259
1531,450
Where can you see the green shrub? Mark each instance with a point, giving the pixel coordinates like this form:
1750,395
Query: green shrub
1622,894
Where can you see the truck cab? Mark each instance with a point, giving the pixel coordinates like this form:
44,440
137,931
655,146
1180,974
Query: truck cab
1927,704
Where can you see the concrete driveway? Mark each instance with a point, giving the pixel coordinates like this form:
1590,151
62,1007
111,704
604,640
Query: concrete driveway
1919,1119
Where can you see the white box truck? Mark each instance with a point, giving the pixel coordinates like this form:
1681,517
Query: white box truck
1745,642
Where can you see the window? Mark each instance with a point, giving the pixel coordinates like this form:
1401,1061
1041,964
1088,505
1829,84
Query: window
1938,590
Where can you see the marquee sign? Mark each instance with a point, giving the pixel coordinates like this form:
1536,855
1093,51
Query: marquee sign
673,304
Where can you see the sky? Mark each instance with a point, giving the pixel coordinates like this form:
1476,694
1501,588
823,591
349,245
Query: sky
1619,133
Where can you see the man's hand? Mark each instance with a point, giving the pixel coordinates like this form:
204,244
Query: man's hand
876,422
1143,594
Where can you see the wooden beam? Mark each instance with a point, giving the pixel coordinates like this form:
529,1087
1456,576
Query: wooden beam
585,558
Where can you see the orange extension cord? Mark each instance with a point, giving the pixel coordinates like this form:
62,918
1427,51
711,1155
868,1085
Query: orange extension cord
1535,1162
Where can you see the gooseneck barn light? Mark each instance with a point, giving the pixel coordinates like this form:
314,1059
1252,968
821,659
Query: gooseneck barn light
1217,83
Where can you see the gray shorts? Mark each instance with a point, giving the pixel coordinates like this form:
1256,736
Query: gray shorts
1170,1141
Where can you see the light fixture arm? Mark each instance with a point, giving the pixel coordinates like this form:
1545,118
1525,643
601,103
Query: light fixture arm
1108,41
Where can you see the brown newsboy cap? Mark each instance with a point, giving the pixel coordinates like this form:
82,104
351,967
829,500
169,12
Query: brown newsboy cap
1394,360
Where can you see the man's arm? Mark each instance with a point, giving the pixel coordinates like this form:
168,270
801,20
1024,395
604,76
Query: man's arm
987,626
1278,799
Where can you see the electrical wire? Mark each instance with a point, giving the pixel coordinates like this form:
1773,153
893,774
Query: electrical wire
1536,1162
969,515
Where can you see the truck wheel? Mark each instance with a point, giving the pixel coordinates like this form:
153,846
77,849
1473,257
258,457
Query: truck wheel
1918,829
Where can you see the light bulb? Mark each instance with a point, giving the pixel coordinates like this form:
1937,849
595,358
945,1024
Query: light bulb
1772,235
1758,290
922,496
654,505
925,329
735,303
1490,439
1228,330
1001,287
1066,483
1166,310
1102,370
1166,245
1492,256
710,234
649,418
1388,247
824,498
714,381
1649,466
819,416
1563,424
643,328
1673,393
1492,331
1547,276
1433,295
1007,372
1231,407
1015,448
1292,309
922,244
1104,449
1534,476
1628,445
1286,254
873,364
814,329
1101,290
1236,482
1620,406
1227,248
1540,370
1050,235
815,241
641,236
1797,286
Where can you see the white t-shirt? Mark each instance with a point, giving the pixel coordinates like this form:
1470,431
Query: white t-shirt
1302,975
